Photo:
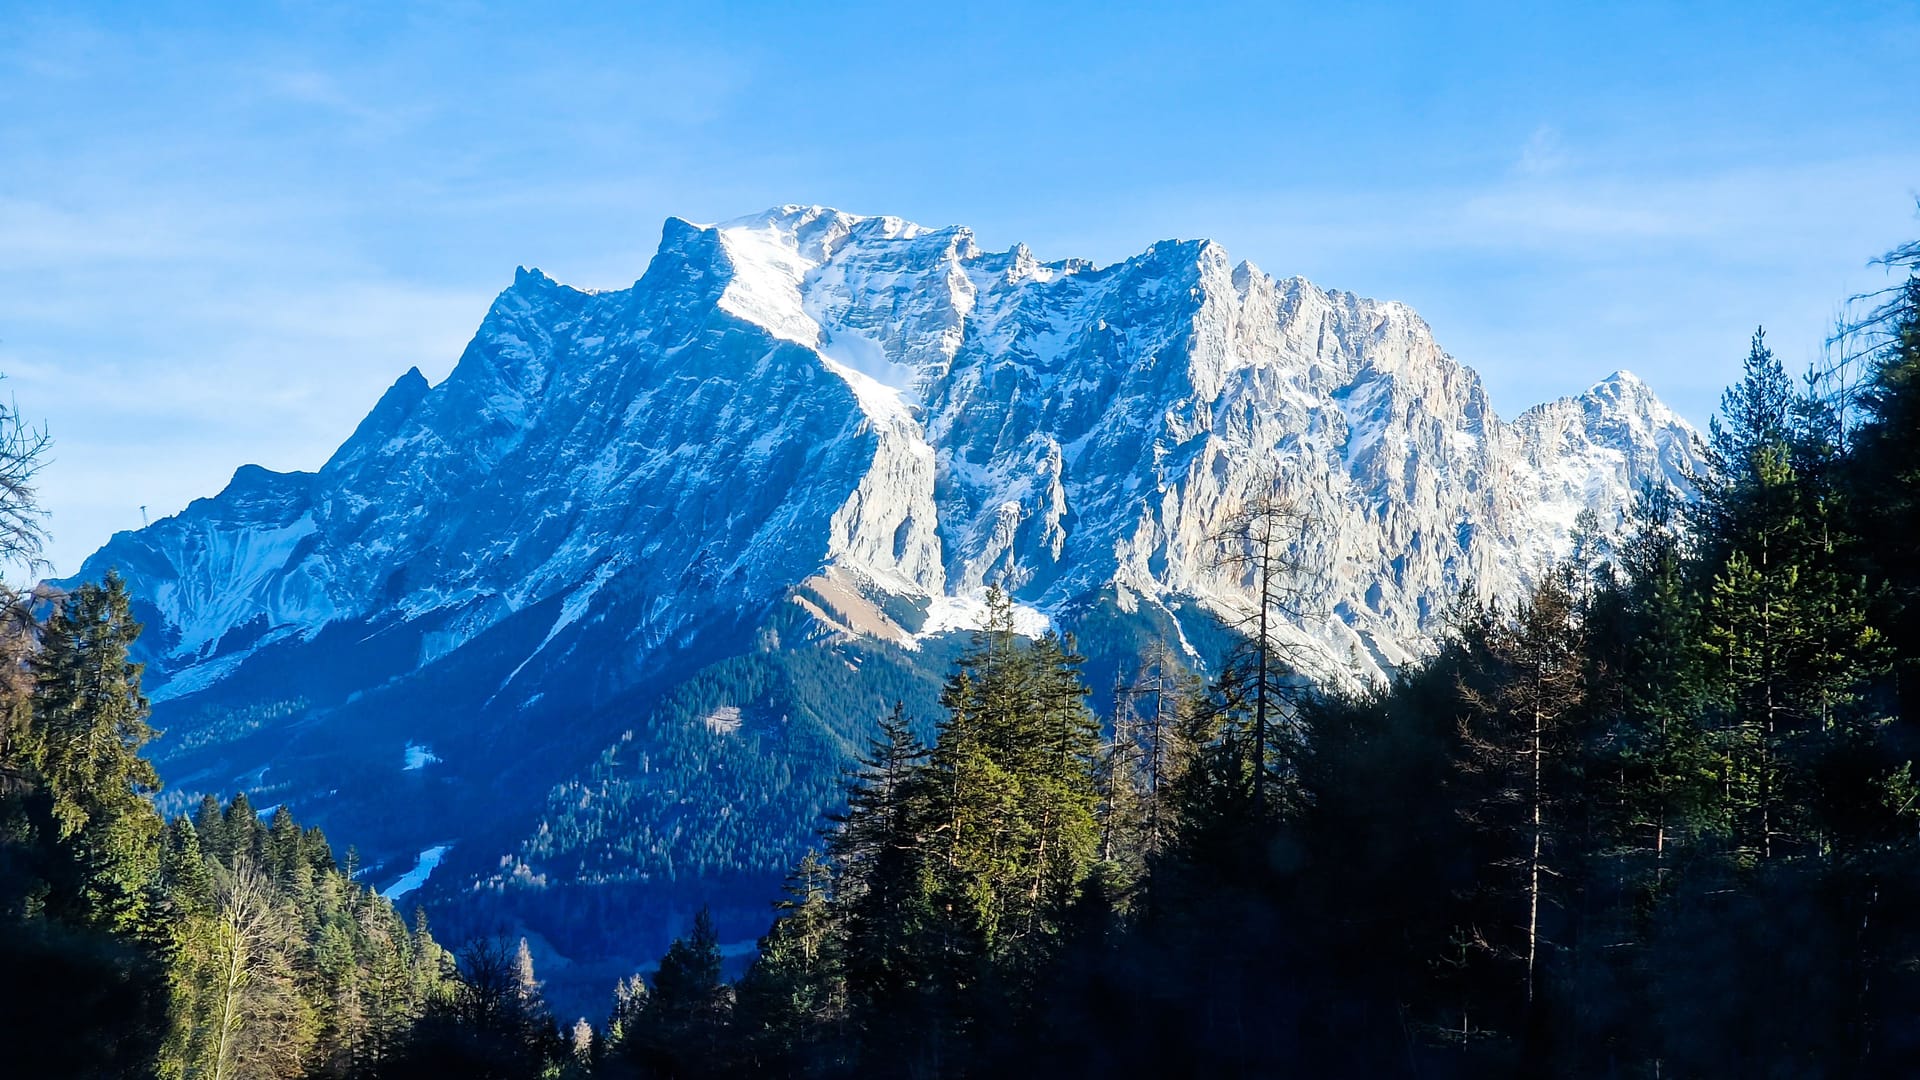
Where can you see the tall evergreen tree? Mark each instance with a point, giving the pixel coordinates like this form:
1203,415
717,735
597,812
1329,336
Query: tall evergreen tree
1658,749
879,852
678,1033
1883,472
89,723
794,996
1786,617
1522,732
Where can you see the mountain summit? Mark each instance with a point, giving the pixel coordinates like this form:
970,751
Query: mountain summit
808,433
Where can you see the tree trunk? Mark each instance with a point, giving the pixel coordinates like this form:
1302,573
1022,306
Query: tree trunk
1533,867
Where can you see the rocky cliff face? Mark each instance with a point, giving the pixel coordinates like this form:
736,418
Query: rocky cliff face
806,394
608,604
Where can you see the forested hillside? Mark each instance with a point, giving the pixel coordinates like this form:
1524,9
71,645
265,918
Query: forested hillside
1658,817
579,603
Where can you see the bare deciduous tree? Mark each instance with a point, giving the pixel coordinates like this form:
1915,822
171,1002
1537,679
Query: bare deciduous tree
23,537
256,1020
1519,735
23,452
1264,542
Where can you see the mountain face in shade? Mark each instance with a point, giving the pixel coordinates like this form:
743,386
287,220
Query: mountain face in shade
801,435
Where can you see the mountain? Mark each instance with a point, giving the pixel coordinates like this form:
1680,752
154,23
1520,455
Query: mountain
608,607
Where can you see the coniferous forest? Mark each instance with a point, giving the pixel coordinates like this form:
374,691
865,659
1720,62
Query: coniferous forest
1659,817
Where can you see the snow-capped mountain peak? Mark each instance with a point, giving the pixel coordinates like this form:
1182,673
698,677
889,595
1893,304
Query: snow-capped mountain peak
705,524
805,395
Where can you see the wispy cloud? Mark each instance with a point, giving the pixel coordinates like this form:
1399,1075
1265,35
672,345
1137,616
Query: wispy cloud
324,91
1544,154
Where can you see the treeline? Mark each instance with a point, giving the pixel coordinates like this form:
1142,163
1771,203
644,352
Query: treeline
214,945
1658,818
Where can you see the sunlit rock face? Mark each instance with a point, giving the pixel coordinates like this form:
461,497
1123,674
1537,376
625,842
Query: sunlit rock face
609,609
808,395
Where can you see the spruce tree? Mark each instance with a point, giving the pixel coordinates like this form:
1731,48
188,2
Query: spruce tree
878,858
242,835
89,723
1660,749
1786,616
210,825
1883,474
795,992
678,1027
1525,691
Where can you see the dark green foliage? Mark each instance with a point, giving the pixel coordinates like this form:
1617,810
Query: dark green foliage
89,723
880,872
1659,816
677,1029
210,946
492,1025
306,971
760,738
1884,475
954,882
789,1003
215,726
80,857
686,809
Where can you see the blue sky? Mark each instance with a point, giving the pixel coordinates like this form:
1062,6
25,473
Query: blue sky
223,234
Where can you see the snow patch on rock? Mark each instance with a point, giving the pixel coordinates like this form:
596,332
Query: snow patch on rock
950,613
423,867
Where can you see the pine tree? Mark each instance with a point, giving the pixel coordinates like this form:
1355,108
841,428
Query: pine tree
675,1028
211,827
1883,472
795,992
1060,796
981,847
1262,542
185,877
1011,795
241,834
89,723
878,852
188,883
1786,618
688,980
284,851
1525,695
1663,757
